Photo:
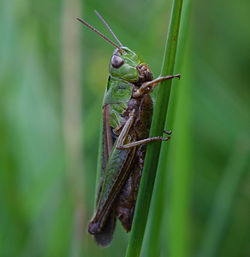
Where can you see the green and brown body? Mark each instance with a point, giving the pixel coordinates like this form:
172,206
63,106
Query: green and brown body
127,114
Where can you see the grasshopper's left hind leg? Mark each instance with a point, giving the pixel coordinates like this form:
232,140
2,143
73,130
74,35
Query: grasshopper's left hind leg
124,133
144,141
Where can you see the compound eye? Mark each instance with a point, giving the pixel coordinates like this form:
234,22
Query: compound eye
116,61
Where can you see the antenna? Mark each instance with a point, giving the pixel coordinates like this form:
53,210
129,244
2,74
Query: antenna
99,33
106,24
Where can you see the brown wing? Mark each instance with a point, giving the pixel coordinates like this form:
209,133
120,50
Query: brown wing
107,144
117,171
116,166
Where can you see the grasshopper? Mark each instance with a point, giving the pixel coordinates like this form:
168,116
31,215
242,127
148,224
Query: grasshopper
127,114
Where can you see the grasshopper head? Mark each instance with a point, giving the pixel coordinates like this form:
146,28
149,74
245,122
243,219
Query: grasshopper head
128,65
124,64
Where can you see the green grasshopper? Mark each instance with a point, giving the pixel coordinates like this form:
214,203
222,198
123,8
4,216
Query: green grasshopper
127,115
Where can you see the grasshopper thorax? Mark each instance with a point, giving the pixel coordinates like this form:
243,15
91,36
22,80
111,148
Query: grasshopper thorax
129,66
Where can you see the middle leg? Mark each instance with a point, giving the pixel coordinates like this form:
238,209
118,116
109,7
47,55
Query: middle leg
144,141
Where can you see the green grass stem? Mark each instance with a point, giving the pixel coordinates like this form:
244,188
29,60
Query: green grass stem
153,150
159,196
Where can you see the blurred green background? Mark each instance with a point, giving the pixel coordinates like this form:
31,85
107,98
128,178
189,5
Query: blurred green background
53,73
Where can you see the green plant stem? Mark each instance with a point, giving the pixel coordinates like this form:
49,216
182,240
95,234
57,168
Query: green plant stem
153,150
159,196
180,174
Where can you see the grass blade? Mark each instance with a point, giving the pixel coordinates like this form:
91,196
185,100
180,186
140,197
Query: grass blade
159,195
153,150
